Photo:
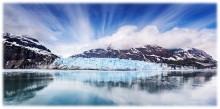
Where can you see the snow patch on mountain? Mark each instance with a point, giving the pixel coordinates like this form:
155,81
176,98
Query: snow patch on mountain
36,50
25,42
24,39
191,53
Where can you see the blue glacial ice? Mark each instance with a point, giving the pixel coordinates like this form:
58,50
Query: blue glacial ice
103,64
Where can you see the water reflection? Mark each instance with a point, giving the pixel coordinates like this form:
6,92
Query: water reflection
20,87
110,88
150,81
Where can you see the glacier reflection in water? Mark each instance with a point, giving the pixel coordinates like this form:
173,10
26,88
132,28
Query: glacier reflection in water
110,88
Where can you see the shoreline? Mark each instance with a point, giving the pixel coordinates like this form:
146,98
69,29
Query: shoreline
51,70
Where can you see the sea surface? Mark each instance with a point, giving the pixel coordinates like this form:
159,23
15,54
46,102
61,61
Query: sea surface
109,88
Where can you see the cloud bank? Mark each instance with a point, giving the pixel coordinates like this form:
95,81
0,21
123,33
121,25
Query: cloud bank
129,37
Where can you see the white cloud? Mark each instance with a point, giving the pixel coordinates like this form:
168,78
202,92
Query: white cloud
129,36
20,21
80,23
44,25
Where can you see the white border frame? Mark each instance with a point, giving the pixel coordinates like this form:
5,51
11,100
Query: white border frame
107,1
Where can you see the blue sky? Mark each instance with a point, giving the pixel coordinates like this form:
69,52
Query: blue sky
82,24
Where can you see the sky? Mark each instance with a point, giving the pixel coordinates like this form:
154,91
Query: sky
68,29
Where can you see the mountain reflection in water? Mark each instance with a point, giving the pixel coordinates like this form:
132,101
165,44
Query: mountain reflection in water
19,87
106,87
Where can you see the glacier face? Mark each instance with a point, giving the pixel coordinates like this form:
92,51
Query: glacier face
79,63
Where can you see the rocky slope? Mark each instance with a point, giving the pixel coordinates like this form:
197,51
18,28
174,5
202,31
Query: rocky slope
153,53
25,52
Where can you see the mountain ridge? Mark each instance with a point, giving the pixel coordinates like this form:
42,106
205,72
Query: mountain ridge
154,53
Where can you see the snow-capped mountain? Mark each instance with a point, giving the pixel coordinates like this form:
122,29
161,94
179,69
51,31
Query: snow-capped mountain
25,52
153,53
191,53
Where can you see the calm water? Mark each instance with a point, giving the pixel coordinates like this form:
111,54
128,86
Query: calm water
110,88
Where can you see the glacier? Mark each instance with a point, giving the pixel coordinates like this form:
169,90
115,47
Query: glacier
79,63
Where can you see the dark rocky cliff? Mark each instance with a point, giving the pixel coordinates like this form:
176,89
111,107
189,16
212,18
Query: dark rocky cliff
22,52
